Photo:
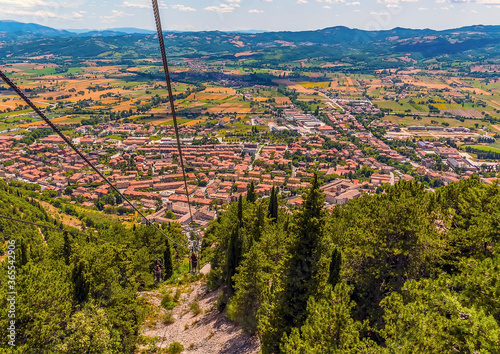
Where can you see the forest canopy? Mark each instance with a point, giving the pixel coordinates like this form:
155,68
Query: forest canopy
405,270
402,271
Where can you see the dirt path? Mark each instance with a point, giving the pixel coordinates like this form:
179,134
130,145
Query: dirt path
209,332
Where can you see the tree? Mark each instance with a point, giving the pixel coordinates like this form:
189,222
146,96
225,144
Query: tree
251,195
68,190
240,211
329,327
335,264
437,320
66,248
302,273
273,205
89,331
233,256
167,261
260,265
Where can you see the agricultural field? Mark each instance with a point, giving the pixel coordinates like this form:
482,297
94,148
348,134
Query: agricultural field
323,84
130,93
425,121
483,148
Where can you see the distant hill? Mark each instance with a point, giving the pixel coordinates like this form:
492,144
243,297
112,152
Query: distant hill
370,48
132,30
12,30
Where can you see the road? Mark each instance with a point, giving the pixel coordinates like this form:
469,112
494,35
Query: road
257,154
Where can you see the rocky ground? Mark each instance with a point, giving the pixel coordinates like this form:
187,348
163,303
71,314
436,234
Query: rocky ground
199,331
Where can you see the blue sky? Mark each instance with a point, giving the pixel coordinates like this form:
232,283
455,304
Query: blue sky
254,14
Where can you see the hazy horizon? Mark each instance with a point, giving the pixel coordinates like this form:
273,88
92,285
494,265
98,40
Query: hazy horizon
255,15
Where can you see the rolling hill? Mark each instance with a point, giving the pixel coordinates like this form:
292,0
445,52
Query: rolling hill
334,43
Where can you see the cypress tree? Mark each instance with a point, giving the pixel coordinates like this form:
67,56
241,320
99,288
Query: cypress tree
240,210
233,257
81,286
24,253
251,196
167,261
275,205
270,212
335,264
66,248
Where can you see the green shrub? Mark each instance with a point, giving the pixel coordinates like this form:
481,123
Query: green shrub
168,318
175,348
195,308
222,302
177,295
167,303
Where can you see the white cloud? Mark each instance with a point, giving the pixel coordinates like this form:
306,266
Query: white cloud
115,14
223,8
182,8
302,1
482,2
135,6
255,11
43,14
30,3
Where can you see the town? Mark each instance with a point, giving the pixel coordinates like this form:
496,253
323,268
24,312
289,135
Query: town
358,133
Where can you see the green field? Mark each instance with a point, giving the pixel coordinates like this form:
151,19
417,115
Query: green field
401,106
5,126
115,137
27,119
14,113
409,121
496,144
179,121
483,148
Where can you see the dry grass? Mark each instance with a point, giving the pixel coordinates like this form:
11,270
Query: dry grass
293,86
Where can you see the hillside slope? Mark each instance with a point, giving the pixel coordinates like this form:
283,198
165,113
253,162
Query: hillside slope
334,43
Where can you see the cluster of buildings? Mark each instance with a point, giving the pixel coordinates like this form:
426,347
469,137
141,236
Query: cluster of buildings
142,160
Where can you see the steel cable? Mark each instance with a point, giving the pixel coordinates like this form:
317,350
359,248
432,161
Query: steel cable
170,95
72,146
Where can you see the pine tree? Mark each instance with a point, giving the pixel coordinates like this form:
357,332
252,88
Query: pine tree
251,196
167,261
300,278
330,328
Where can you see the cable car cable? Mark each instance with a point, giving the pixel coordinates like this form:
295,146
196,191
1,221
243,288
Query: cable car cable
170,95
72,146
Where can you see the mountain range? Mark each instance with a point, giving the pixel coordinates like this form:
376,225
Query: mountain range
333,43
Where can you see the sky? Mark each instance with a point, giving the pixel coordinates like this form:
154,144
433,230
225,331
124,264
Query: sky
269,15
